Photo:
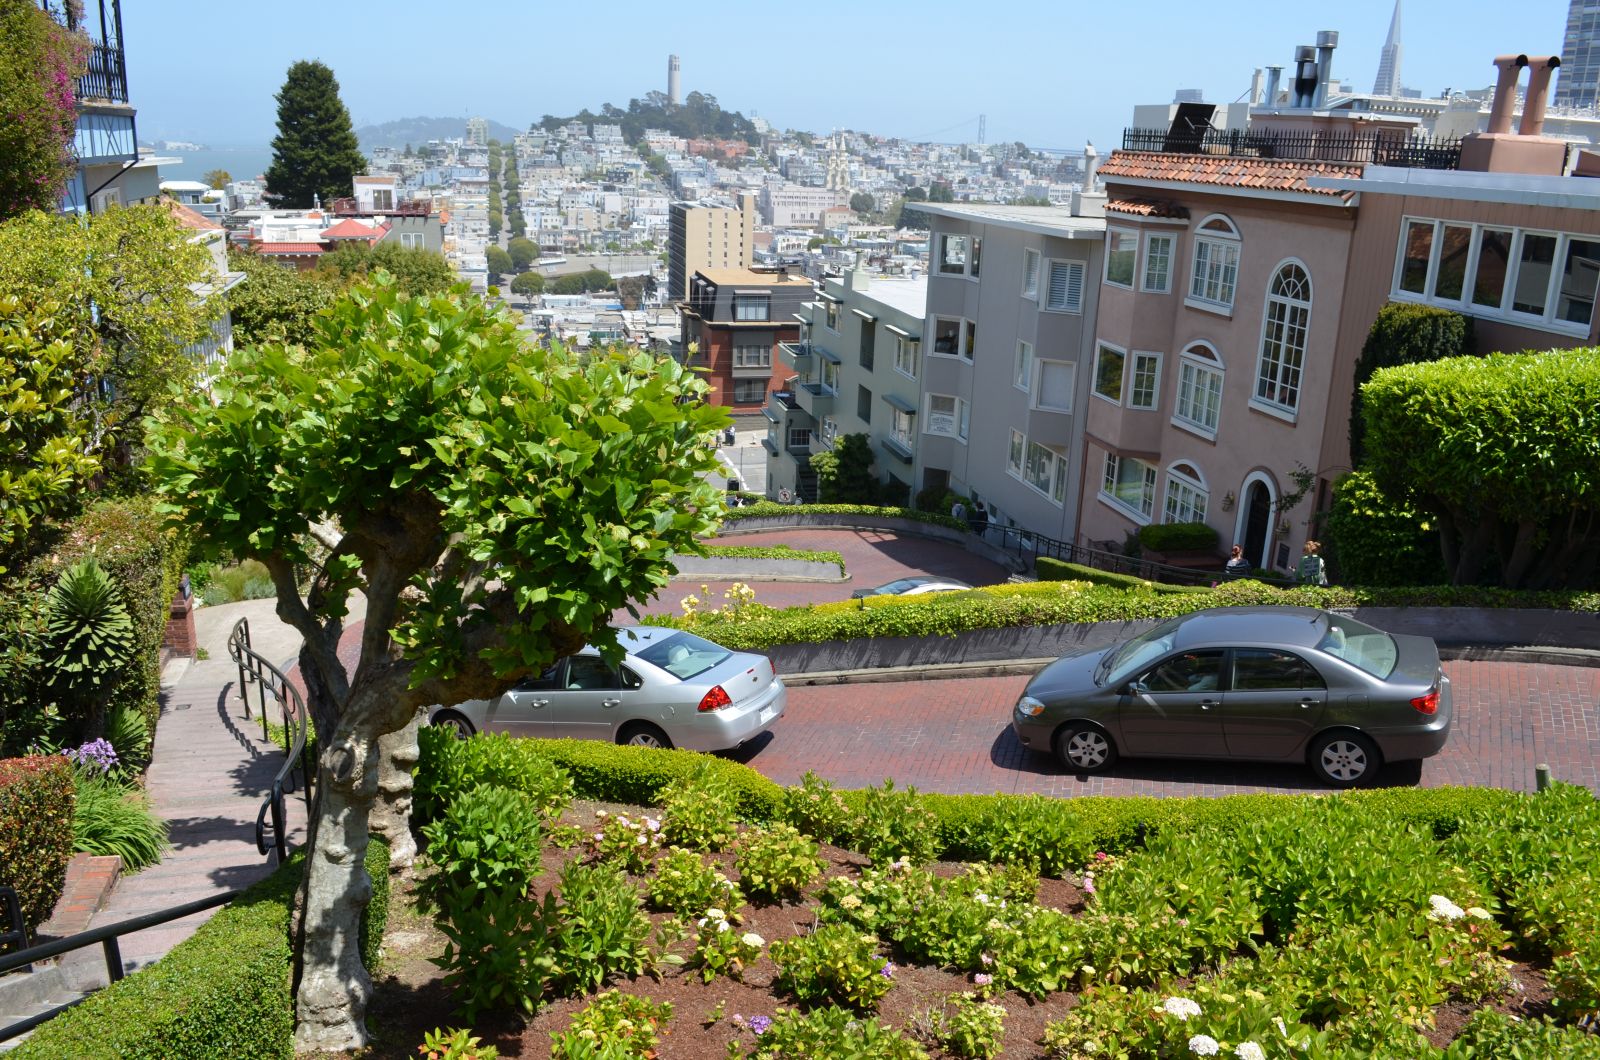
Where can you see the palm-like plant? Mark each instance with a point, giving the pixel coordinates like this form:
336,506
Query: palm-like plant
90,639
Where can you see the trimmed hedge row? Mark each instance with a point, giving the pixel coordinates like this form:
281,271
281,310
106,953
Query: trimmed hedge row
636,776
1050,603
1056,570
1178,537
775,552
222,993
767,509
36,803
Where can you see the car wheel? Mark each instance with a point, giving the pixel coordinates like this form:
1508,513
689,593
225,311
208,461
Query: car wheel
1344,759
1085,749
639,734
456,723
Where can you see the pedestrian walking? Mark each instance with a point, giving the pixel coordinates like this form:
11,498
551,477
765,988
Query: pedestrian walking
1237,566
958,511
1311,571
979,519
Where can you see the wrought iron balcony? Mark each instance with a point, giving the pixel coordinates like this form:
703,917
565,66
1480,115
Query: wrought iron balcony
1377,148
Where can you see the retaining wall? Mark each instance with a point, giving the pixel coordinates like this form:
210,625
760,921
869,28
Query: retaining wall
734,568
910,527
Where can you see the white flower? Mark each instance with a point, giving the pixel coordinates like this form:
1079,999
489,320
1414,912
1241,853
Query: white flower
1444,908
599,837
700,923
1180,1007
1204,1045
981,898
716,914
722,925
652,824
752,939
1249,1051
601,814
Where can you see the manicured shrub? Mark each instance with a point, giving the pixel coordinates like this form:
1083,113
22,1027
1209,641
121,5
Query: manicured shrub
448,766
222,993
829,1032
765,509
1178,537
1405,333
776,861
1047,569
835,964
775,552
36,837
1374,539
700,810
602,930
110,818
685,884
614,1026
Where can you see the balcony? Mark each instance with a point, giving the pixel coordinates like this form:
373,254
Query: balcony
105,77
815,398
796,354
1383,149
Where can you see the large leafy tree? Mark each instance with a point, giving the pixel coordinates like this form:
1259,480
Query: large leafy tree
274,303
40,61
497,503
315,153
1503,452
122,284
416,270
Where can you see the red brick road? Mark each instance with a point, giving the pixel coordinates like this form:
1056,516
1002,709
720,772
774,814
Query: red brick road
954,736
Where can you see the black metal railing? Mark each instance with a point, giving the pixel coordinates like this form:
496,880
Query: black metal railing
273,835
1375,148
106,75
106,937
1020,543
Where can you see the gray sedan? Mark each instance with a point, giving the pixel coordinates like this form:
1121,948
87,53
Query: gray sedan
1266,684
673,689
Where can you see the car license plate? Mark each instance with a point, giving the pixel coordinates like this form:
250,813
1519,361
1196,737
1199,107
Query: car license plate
769,713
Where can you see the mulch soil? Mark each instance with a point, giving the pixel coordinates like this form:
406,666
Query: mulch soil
410,999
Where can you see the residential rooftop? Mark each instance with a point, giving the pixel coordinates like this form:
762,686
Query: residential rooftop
1525,189
751,278
904,294
1057,221
1269,175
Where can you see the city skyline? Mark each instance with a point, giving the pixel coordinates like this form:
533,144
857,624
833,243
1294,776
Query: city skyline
920,73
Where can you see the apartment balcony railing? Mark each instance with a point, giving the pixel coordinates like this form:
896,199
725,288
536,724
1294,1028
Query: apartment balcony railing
1374,148
105,76
815,398
797,354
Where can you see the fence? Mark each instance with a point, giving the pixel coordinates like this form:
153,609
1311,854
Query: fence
253,669
1375,148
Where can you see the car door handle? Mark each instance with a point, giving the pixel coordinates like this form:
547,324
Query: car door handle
611,702
1307,704
538,703
1207,704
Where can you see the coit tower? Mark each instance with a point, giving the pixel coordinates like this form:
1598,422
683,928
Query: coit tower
672,80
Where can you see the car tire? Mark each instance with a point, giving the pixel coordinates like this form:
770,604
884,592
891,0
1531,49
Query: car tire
455,721
1344,759
1085,749
643,734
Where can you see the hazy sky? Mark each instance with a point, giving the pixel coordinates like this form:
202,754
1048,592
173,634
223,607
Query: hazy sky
1052,74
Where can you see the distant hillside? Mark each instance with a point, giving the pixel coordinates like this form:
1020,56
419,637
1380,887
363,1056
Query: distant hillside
418,131
698,116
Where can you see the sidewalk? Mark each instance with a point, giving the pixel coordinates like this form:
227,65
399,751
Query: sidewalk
210,770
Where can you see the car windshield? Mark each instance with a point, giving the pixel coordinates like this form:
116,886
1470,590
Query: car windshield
684,655
896,587
1148,646
1360,645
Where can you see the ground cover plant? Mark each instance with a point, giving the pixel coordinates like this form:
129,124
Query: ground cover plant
774,552
1444,923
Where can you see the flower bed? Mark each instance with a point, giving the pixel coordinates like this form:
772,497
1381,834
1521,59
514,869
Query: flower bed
1391,923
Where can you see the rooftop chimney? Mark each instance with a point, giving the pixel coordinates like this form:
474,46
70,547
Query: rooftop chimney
1538,93
1327,40
1274,74
1255,88
1091,166
1305,76
1505,91
1499,150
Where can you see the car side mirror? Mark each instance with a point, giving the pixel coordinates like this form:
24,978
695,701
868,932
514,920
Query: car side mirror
1138,688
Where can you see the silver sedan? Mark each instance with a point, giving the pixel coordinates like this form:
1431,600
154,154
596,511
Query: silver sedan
1266,684
673,689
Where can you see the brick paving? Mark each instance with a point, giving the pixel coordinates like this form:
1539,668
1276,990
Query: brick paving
954,736
871,557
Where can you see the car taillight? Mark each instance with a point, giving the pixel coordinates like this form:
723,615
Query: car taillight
715,699
1429,703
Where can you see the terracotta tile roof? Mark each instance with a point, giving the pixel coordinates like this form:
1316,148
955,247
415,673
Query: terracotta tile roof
350,228
1148,208
1263,174
188,218
289,248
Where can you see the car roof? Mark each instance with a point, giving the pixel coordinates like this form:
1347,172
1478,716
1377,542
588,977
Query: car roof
1294,626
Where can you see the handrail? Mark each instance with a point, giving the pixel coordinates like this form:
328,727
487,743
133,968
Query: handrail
107,937
1019,541
296,726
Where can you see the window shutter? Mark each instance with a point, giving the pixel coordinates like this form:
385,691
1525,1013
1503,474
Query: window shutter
1066,285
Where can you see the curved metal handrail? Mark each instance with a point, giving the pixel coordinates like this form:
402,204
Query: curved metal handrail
253,669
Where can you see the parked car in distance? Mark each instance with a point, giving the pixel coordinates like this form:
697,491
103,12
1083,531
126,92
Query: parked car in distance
673,689
1264,684
913,586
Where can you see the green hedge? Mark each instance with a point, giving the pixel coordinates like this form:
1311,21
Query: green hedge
767,509
774,552
222,993
1052,603
1178,537
36,800
1055,570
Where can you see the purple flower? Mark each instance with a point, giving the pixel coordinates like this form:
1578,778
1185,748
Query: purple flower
98,754
887,971
982,979
759,1024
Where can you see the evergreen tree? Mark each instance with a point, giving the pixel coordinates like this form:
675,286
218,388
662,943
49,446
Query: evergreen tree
315,153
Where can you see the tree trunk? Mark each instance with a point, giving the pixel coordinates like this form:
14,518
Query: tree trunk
391,813
1524,551
331,1002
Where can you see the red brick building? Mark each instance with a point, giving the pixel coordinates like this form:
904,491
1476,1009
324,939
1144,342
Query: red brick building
733,321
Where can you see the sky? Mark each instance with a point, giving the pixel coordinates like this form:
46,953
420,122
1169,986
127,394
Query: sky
1050,74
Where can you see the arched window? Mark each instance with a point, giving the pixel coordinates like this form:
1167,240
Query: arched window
1199,404
1283,338
1187,495
1215,269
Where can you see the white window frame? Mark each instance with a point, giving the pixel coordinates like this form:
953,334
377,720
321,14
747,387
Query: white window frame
963,419
961,335
764,383
1018,446
1272,406
1094,381
903,427
1150,239
830,315
1547,321
741,354
412,240
930,421
744,302
906,351
1032,266
829,380
1178,482
1022,370
1135,358
1200,357
1111,470
1048,459
1114,236
1228,241
1070,367
1068,306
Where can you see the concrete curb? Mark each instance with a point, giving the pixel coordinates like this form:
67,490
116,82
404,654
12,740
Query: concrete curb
908,527
739,568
